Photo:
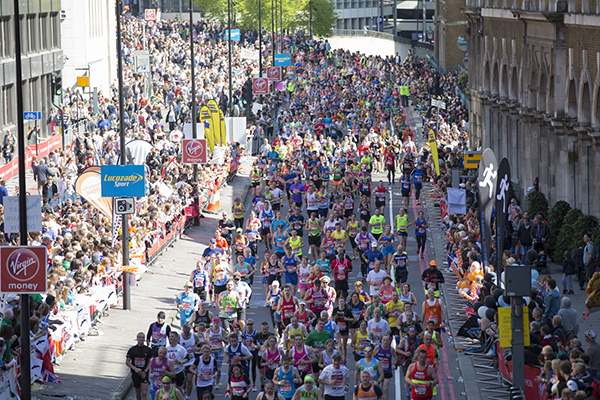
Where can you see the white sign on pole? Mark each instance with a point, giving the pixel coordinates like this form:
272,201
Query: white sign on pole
142,60
11,214
438,104
249,54
189,134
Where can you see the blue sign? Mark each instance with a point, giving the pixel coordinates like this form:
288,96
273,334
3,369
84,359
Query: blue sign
32,115
123,181
235,34
282,60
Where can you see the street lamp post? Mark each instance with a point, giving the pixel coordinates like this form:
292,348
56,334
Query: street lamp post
259,38
25,309
193,76
310,18
280,25
273,44
125,218
230,50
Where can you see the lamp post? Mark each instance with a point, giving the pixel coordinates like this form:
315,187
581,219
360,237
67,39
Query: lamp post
125,218
230,50
193,76
280,26
310,18
25,309
259,38
273,44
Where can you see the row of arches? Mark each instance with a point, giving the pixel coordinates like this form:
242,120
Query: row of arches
531,82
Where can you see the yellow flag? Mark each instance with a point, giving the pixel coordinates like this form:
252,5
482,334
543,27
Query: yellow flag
214,121
223,130
208,132
433,147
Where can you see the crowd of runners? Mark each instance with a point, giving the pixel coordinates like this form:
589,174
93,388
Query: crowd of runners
317,218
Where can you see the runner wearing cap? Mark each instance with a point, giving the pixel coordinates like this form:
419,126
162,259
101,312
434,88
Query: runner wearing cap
305,316
158,332
168,389
187,303
432,278
308,391
335,378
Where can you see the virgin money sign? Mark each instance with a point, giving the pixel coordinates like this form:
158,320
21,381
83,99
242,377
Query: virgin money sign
260,86
274,74
23,269
194,151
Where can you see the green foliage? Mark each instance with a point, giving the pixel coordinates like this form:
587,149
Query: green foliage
537,203
463,79
568,236
324,17
216,9
555,222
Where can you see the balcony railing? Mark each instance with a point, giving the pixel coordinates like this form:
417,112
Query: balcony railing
381,35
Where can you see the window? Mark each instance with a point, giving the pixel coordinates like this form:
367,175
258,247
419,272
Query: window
33,45
6,38
24,35
44,33
8,109
54,31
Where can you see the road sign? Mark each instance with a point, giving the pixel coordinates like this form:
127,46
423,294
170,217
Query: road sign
260,86
142,60
194,151
150,14
472,159
124,205
505,326
150,24
23,269
12,214
83,81
122,181
274,74
32,115
438,104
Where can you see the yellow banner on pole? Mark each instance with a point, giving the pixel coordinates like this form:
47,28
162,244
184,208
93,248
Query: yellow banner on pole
214,121
223,129
505,326
208,132
433,146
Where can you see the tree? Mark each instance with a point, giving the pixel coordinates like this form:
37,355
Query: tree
323,18
217,9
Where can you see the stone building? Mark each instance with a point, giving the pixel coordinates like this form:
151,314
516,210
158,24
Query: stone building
534,92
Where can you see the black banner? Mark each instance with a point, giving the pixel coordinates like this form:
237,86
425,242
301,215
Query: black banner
486,182
502,202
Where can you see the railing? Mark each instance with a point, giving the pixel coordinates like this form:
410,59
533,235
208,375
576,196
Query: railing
381,35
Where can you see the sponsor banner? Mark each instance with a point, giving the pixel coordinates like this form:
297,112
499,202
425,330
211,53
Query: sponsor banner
488,174
274,74
260,86
249,54
282,60
123,181
209,129
214,121
88,186
23,269
194,151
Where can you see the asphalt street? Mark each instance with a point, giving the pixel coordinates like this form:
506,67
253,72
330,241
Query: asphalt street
188,250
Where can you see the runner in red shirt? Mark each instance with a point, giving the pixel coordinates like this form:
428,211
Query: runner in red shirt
340,267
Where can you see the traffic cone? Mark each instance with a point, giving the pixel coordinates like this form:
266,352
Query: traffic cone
214,203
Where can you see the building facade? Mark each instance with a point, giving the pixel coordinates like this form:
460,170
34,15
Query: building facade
89,43
41,57
450,24
534,76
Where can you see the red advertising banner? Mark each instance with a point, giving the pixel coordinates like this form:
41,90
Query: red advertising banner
11,169
274,74
194,151
23,269
260,86
533,390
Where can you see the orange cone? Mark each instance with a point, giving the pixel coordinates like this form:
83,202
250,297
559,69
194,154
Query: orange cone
214,203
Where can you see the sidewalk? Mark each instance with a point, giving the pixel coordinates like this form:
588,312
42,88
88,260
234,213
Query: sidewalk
95,369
